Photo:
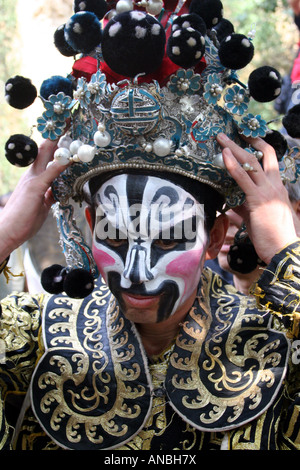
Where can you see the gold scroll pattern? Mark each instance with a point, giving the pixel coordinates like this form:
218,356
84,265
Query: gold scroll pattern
223,367
85,392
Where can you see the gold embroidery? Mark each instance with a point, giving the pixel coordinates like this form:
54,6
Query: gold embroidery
228,387
77,386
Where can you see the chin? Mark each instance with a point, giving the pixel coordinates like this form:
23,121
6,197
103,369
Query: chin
141,316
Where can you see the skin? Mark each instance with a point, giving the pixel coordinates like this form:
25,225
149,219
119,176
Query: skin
266,212
28,206
161,289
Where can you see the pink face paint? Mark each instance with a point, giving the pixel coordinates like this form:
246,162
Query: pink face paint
102,260
186,266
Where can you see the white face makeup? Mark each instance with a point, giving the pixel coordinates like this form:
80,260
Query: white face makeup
149,243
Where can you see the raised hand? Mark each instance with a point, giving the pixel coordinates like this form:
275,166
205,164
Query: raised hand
267,211
29,204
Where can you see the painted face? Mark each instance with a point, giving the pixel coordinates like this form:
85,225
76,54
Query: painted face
149,243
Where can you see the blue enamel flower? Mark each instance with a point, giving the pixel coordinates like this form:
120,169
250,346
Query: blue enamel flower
213,89
96,86
58,107
50,128
184,82
82,93
253,126
236,100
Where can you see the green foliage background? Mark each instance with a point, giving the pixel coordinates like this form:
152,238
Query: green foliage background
275,45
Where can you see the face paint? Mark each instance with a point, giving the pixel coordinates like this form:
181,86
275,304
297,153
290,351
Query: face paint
149,242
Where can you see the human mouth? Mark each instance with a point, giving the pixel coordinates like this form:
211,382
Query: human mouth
139,301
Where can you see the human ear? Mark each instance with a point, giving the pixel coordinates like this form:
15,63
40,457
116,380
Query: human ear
216,236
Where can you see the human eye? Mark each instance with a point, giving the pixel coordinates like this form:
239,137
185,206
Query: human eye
116,242
166,244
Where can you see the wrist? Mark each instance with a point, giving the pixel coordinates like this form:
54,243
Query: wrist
7,243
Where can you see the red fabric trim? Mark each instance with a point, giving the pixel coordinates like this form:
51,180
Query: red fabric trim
85,67
295,75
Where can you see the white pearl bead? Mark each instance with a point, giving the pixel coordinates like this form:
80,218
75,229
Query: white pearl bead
62,156
124,5
101,127
218,161
154,7
86,153
102,139
64,141
247,167
162,147
74,146
148,148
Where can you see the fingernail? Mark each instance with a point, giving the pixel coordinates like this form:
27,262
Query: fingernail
223,137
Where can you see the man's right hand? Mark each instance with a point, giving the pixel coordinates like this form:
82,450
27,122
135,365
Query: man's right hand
29,204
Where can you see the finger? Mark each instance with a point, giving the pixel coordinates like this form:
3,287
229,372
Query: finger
270,166
45,155
237,172
52,172
270,162
247,160
49,199
242,155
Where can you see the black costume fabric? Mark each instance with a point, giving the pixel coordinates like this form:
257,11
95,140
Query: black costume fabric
224,380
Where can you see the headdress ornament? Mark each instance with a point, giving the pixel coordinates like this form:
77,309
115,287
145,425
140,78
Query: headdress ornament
154,85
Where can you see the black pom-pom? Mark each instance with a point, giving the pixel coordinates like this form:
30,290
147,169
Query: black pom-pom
242,258
78,283
186,47
264,84
83,32
133,43
223,29
189,21
20,92
54,85
236,51
98,7
210,10
61,43
52,279
20,150
291,122
278,142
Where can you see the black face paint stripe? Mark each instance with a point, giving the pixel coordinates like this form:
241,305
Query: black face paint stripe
135,188
168,191
167,301
137,270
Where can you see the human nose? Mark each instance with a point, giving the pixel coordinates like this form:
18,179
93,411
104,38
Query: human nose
136,270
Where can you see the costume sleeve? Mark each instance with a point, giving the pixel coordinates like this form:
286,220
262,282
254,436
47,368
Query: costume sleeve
278,288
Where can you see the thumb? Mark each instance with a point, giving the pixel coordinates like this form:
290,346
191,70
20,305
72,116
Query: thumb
53,170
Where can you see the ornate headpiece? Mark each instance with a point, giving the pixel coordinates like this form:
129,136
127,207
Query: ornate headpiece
155,83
